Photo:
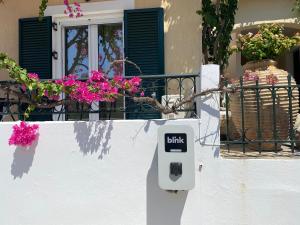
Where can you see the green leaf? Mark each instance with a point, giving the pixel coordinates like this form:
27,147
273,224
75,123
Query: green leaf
23,77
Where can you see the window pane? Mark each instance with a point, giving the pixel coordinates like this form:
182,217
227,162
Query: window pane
110,38
110,48
77,61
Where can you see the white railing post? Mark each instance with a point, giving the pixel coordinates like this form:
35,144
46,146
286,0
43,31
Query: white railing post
208,107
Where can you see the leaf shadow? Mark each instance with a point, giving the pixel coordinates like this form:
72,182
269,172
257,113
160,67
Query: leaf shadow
93,137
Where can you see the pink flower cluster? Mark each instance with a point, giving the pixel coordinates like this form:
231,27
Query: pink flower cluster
73,11
33,76
250,76
54,97
271,79
24,134
98,88
132,85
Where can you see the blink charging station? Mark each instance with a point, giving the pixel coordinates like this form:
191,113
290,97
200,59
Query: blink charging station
176,160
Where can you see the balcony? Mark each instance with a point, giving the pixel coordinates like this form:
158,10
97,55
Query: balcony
168,89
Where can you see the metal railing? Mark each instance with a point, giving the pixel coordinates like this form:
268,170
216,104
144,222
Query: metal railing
169,89
166,88
260,118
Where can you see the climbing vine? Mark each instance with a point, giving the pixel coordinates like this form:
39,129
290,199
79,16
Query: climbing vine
218,19
42,8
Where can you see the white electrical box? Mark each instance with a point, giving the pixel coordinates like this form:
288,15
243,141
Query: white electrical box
176,157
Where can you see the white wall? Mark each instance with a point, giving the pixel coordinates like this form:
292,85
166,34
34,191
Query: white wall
106,173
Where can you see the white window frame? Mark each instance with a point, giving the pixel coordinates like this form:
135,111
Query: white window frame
94,14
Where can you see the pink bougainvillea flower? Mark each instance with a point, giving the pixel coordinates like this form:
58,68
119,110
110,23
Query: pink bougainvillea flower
142,94
23,87
46,93
24,134
133,90
118,79
73,11
60,82
105,86
97,76
136,81
69,80
53,97
250,76
33,76
272,79
98,88
69,83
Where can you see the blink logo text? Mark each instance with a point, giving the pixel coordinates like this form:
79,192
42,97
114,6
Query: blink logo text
174,140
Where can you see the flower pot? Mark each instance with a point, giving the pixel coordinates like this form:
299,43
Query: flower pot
230,132
267,122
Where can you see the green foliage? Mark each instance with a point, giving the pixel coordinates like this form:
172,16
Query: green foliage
268,43
35,87
296,7
15,72
218,21
42,8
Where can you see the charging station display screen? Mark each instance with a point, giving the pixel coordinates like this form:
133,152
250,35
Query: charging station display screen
175,142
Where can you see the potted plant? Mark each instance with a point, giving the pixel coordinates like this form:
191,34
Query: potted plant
261,50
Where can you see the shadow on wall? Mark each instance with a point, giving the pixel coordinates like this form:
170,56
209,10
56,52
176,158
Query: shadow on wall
157,122
23,159
207,135
163,208
209,129
146,127
93,137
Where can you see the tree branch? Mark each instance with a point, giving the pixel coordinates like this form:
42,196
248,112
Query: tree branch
117,61
23,98
174,109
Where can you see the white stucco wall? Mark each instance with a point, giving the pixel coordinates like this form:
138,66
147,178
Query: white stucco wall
105,173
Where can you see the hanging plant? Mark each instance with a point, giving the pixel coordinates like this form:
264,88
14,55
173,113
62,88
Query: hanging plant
24,135
46,94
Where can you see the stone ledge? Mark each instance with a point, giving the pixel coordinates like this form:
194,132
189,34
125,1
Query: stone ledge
236,152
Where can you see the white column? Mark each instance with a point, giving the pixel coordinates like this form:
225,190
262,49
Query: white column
208,107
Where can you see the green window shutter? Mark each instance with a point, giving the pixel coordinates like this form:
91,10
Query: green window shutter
35,50
35,46
144,45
